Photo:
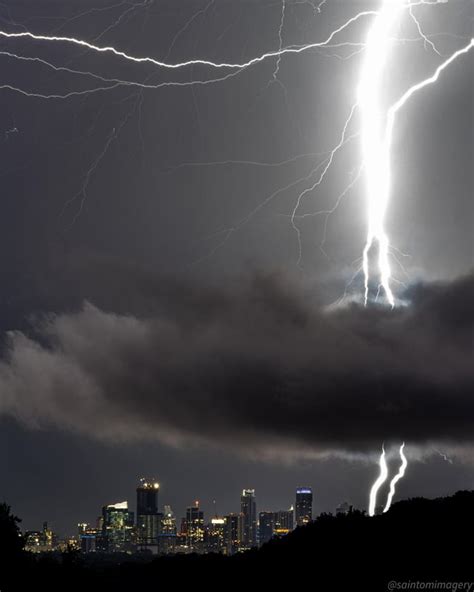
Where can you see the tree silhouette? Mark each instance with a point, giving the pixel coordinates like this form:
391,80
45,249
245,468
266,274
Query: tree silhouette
11,541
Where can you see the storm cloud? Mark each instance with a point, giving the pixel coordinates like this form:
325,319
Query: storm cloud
257,367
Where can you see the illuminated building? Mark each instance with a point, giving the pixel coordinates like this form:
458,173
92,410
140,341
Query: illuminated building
274,524
88,537
40,541
195,528
248,512
168,534
303,506
117,529
283,522
148,516
231,534
33,541
215,535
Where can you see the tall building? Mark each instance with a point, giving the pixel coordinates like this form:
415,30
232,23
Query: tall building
283,522
168,532
195,528
148,516
215,535
248,512
265,526
272,524
117,528
87,537
303,506
231,534
40,541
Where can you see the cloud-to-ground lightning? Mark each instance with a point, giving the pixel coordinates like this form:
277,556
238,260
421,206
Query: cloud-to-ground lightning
377,134
383,477
378,483
396,479
376,160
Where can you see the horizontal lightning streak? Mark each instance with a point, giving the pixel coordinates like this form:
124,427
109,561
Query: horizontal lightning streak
194,62
120,84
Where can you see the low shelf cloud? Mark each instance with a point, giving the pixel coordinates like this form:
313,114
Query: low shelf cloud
256,368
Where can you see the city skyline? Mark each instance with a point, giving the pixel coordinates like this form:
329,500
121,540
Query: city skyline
157,529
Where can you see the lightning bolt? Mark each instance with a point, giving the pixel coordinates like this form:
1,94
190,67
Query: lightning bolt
376,159
377,133
383,477
378,483
443,456
396,479
280,39
187,63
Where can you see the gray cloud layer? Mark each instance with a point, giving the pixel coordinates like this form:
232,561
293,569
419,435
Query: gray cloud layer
256,368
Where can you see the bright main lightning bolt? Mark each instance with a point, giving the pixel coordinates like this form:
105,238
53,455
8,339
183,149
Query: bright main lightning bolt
378,483
396,479
377,133
376,160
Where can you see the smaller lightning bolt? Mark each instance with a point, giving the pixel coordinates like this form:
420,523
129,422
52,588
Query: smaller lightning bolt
426,41
378,483
280,38
186,26
444,456
398,476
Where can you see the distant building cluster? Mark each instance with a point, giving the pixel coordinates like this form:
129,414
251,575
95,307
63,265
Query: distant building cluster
154,531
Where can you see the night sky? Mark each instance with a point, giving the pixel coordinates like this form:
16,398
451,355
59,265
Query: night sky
156,317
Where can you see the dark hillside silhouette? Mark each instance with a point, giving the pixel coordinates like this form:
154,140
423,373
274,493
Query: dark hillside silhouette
417,540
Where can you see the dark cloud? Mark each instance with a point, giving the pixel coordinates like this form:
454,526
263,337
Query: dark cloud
259,367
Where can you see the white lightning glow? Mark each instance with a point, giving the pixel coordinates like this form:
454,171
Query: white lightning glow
378,483
377,133
376,160
396,479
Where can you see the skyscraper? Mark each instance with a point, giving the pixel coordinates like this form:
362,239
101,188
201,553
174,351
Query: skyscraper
148,516
117,527
231,534
195,528
265,526
215,535
283,522
87,537
168,531
303,506
248,512
272,524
